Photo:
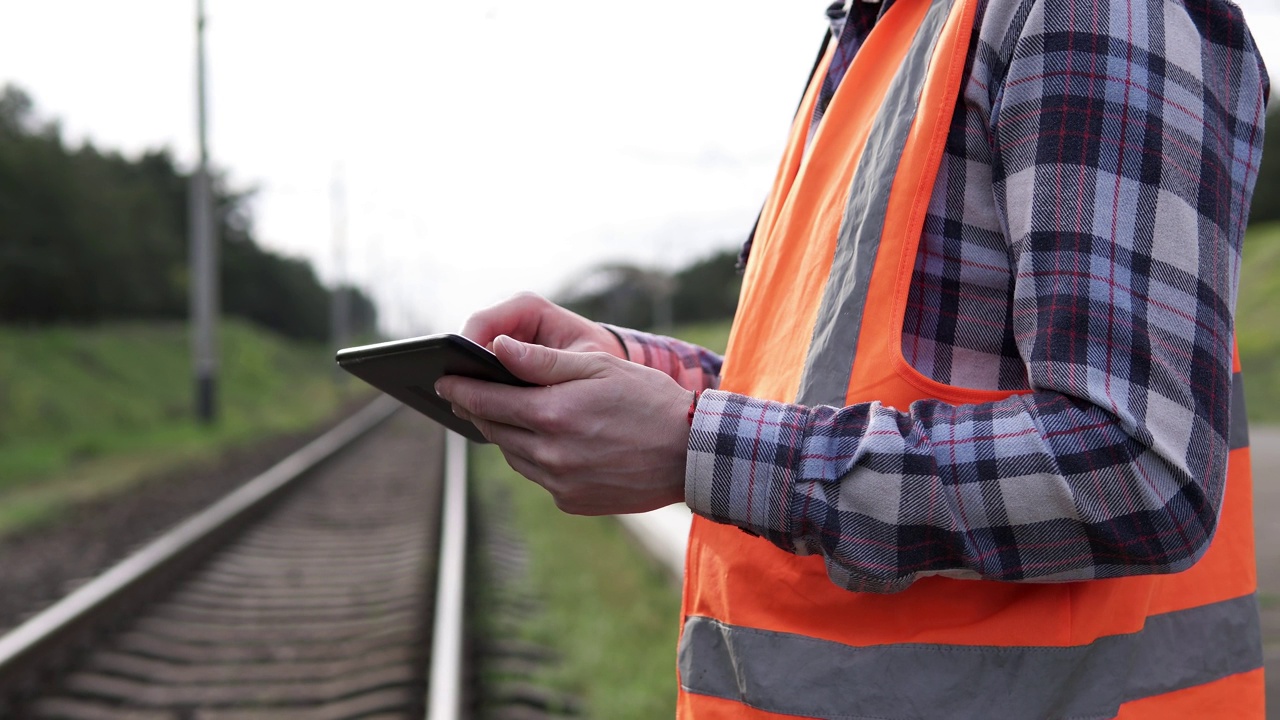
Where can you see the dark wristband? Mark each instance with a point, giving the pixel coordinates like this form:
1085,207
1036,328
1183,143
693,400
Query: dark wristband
623,343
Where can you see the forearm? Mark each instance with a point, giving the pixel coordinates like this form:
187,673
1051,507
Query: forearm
1037,487
694,367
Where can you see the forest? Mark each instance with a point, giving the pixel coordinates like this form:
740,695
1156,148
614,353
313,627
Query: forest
89,236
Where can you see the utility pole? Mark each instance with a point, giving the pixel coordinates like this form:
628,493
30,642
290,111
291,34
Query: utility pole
204,255
340,310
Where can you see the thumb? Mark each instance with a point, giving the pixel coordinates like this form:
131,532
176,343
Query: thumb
543,365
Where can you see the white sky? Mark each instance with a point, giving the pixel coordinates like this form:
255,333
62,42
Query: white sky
485,146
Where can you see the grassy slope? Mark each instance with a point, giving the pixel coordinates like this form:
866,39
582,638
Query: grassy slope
85,412
1258,322
710,335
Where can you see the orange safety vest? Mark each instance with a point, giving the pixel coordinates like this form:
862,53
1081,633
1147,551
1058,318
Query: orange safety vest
766,634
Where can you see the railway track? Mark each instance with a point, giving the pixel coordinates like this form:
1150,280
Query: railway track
307,594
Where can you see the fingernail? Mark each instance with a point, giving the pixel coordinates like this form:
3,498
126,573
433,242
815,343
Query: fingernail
437,389
513,346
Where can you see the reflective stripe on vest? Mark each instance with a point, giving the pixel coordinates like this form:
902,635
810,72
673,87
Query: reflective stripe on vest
835,335
971,681
820,320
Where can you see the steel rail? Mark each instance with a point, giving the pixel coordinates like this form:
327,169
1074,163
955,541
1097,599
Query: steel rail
445,695
28,650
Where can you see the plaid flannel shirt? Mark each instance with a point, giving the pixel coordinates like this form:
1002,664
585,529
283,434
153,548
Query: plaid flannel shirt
1083,242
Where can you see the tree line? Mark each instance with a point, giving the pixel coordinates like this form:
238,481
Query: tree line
88,236
651,299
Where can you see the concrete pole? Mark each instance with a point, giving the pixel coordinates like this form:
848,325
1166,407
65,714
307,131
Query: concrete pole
340,311
204,255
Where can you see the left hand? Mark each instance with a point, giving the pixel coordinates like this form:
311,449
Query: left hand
601,434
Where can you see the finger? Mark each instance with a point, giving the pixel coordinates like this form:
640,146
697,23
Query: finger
508,438
525,466
568,502
482,400
517,317
457,410
547,366
531,470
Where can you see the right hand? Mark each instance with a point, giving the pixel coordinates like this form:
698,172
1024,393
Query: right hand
602,435
533,319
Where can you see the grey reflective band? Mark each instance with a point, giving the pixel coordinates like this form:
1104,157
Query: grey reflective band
1239,433
835,335
797,675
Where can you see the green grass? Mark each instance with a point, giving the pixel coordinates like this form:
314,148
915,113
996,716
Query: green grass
1258,322
712,335
611,614
87,412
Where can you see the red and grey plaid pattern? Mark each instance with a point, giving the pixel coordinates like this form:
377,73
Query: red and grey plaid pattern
1083,243
693,367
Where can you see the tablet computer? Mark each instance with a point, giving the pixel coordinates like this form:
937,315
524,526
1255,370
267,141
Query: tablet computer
407,370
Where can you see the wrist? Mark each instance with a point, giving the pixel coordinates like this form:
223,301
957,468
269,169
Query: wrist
684,432
619,346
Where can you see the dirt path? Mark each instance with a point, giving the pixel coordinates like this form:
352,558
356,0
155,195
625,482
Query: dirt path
1264,444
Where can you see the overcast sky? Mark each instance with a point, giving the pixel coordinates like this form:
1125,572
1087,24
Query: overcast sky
484,147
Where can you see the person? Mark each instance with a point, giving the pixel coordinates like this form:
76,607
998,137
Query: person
976,447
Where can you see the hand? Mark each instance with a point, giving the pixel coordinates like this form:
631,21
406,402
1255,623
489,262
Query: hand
533,319
602,435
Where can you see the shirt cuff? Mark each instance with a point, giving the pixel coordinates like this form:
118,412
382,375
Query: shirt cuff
741,460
